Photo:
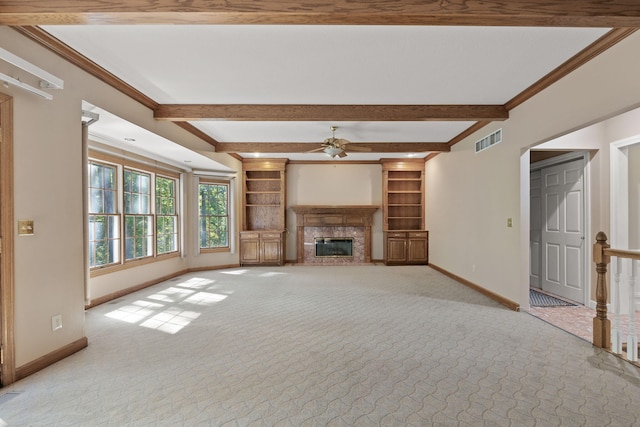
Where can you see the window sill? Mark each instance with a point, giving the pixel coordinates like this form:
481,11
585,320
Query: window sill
214,250
100,271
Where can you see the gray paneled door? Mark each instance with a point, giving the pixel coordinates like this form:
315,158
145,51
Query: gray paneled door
563,230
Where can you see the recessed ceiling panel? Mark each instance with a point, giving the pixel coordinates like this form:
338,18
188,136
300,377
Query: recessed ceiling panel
327,64
231,131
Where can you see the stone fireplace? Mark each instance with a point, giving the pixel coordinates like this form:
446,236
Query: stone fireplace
343,234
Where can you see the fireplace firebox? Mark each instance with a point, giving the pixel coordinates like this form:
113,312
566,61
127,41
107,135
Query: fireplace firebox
334,247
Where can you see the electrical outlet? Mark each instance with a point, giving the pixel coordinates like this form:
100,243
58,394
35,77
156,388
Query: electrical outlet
56,322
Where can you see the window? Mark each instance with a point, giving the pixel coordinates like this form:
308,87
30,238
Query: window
214,215
104,222
166,217
133,212
138,236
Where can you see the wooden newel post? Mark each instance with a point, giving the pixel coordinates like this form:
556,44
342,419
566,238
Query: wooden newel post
601,325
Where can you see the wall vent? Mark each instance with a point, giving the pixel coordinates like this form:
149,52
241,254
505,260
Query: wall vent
489,141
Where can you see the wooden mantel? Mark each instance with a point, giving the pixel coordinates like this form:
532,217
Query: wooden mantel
323,215
333,216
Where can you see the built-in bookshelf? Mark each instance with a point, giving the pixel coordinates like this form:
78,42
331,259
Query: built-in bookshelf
264,196
403,190
263,224
406,240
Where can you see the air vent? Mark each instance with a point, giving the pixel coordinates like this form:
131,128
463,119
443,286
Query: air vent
489,141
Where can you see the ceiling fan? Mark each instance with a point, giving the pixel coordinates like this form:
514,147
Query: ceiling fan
337,146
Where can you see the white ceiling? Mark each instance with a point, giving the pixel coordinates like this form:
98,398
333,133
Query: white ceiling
118,133
294,64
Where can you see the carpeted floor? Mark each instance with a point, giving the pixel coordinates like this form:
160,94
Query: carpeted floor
324,346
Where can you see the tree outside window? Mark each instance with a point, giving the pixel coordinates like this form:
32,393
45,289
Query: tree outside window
214,215
104,221
166,217
138,221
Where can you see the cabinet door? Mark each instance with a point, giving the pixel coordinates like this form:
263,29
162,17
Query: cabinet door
271,251
418,251
249,251
396,250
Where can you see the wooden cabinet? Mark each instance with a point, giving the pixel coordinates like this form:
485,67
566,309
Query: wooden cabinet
407,247
262,239
261,248
405,239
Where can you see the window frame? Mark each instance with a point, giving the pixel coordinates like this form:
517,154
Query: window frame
227,247
175,215
121,165
109,239
132,211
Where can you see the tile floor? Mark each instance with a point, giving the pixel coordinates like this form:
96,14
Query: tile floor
578,320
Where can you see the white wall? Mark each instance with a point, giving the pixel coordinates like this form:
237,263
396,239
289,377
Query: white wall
49,272
334,184
470,196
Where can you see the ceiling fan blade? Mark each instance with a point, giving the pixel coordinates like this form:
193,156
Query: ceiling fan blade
342,154
356,148
315,150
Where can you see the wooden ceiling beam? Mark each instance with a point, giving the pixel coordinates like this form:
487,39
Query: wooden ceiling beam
304,147
309,112
565,13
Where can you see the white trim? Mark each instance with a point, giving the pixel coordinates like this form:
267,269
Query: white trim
525,227
50,81
619,206
19,84
195,215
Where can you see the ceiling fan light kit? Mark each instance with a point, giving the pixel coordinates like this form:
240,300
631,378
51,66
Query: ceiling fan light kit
333,151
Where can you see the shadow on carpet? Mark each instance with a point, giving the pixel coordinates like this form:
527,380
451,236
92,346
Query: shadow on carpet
539,299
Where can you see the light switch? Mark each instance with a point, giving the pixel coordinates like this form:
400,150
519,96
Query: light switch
509,222
25,227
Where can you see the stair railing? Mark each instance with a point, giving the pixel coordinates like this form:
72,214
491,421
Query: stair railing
603,336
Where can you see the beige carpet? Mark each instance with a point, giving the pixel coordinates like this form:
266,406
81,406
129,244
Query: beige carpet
324,346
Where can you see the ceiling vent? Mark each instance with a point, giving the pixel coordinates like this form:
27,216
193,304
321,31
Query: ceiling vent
489,141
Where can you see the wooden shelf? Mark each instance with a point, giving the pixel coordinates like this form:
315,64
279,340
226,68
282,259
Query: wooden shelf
263,205
405,240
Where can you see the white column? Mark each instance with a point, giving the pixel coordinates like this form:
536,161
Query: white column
632,338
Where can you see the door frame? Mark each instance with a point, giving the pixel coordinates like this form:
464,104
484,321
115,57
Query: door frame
586,211
619,208
7,338
619,190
